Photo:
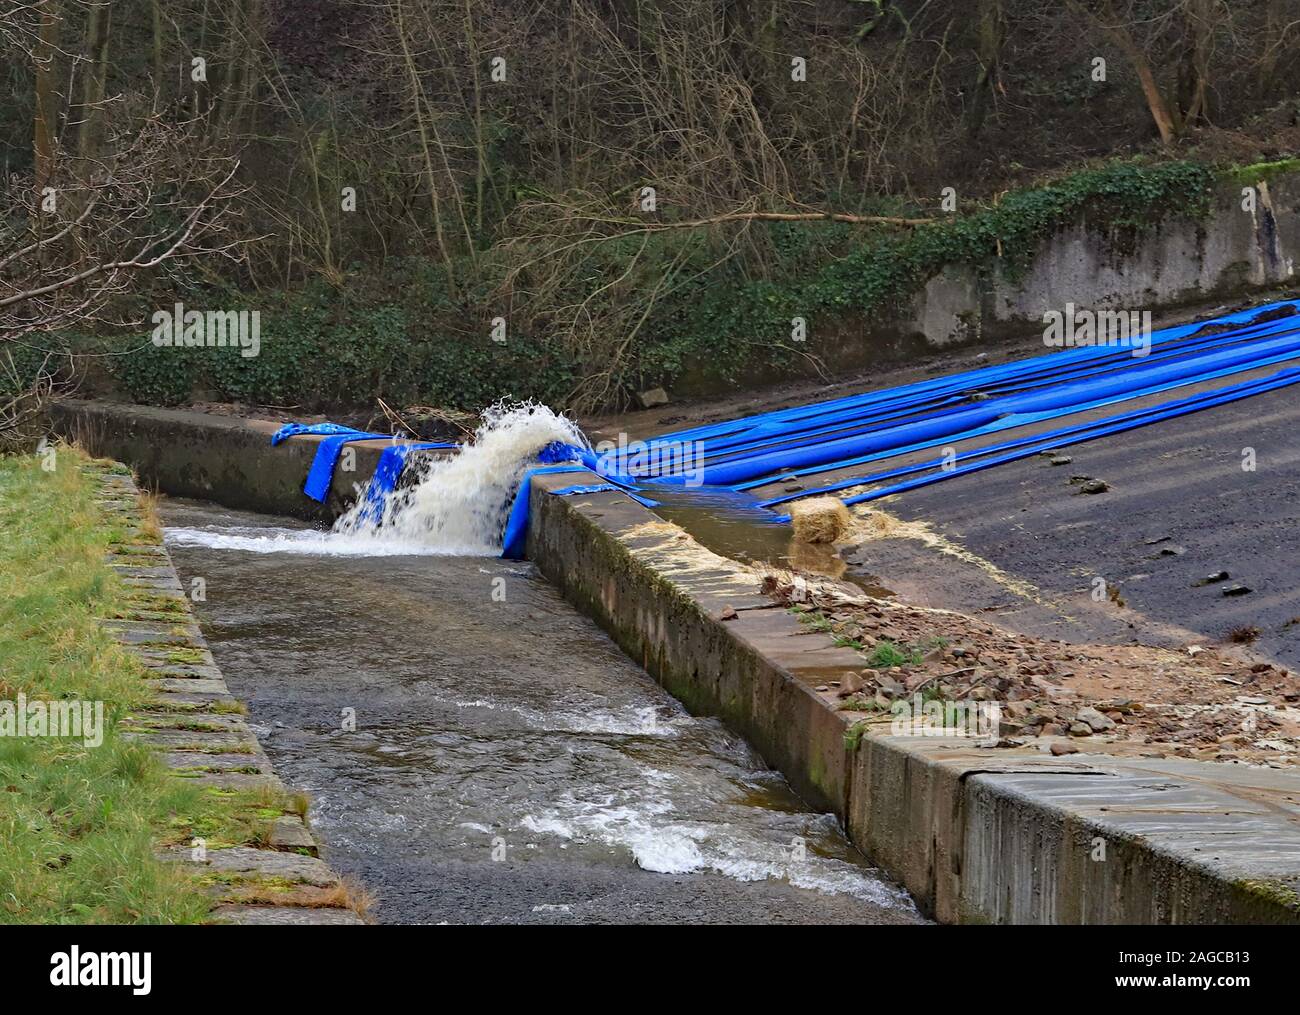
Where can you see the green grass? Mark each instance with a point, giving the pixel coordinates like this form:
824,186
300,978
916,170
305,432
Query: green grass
79,823
887,654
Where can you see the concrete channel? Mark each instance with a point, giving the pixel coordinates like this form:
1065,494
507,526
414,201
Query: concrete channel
977,836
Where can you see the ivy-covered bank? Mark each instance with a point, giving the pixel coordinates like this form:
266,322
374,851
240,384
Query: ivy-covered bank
416,336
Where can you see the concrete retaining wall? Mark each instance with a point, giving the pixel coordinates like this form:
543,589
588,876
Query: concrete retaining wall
977,835
223,459
1230,253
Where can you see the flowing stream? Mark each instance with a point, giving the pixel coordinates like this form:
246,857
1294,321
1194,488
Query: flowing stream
508,763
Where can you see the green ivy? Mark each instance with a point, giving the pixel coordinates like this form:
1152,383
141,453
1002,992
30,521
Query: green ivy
887,269
412,336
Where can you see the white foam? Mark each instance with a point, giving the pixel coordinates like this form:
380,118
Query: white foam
309,542
590,719
463,500
645,823
457,507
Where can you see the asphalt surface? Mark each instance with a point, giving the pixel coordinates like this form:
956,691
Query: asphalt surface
1180,507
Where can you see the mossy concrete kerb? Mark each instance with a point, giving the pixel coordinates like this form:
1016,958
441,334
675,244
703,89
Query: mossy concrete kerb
977,835
196,727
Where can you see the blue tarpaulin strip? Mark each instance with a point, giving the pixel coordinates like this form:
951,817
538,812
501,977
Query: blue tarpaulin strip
970,380
937,397
1125,384
1112,425
516,538
387,473
294,429
321,473
768,437
1011,422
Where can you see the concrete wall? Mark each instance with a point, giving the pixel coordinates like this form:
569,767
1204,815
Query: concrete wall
1231,253
223,459
976,835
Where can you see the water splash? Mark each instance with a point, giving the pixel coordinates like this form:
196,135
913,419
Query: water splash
459,504
453,506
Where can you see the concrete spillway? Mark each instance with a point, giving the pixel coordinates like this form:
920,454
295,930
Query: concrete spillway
508,762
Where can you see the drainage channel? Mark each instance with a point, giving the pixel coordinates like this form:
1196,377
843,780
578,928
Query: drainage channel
508,763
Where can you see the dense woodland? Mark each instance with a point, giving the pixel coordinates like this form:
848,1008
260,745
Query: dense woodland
384,178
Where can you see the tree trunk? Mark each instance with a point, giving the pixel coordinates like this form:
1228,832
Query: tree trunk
99,19
991,30
1195,76
46,124
157,54
1164,117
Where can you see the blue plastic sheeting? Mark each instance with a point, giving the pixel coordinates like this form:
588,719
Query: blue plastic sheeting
294,429
1116,424
321,473
972,380
1061,398
730,439
769,436
1014,421
843,432
516,537
387,473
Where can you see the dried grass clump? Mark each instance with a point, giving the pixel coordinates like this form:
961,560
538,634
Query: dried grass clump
820,520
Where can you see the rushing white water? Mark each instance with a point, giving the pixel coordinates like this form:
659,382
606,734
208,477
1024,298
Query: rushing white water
307,542
457,505
645,822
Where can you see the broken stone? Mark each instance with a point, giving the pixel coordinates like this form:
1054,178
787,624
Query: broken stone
1210,579
851,684
653,397
1236,590
1094,486
1060,460
1096,722
728,613
1080,729
1064,747
891,688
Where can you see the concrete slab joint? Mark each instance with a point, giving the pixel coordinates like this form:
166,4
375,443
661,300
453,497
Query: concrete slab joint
1015,836
285,882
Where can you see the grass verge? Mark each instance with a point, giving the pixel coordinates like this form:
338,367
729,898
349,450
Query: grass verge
79,822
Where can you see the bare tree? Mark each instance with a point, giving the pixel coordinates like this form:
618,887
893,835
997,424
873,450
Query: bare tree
95,233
